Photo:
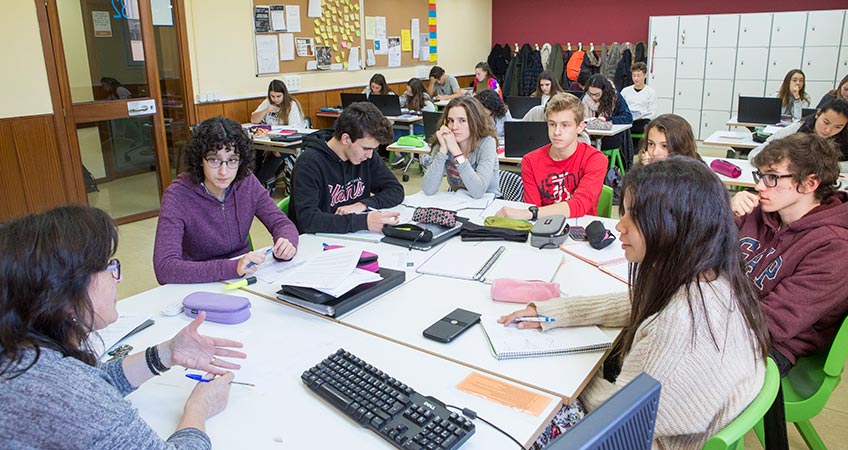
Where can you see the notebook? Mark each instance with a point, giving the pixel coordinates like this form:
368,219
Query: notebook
510,342
485,263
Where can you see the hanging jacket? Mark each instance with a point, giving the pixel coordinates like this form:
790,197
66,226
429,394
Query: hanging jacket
575,63
498,63
591,63
555,61
530,75
523,57
611,59
508,78
566,57
623,76
546,55
641,53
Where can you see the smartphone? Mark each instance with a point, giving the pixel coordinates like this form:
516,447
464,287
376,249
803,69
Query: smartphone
577,233
452,325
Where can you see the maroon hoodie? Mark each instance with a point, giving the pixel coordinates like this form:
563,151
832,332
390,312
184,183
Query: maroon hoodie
801,273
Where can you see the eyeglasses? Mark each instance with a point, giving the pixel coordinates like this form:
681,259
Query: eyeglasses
215,163
769,179
595,94
115,267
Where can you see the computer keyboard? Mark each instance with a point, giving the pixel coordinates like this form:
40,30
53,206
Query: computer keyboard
405,418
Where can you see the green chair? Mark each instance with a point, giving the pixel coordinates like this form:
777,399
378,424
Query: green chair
605,202
284,205
614,157
732,437
808,385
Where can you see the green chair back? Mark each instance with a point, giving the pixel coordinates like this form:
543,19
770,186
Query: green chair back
605,202
284,205
614,159
732,436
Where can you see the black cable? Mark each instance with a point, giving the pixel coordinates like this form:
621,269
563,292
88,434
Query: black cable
473,415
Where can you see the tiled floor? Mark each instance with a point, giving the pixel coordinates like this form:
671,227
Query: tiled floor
135,251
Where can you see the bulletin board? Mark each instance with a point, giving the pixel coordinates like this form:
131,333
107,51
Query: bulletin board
340,28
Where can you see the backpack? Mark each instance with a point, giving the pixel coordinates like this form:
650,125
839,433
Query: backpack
572,69
613,179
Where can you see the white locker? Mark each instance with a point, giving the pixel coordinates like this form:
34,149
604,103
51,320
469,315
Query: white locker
754,30
718,65
819,63
693,116
690,63
664,32
662,77
751,63
692,32
723,30
747,88
718,95
822,26
687,94
665,106
816,90
842,68
772,86
782,60
787,29
712,121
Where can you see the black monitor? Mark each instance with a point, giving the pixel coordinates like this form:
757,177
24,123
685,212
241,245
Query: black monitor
759,110
806,112
348,98
624,422
518,106
578,94
521,138
389,105
431,123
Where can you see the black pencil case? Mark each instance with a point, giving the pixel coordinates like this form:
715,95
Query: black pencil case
409,232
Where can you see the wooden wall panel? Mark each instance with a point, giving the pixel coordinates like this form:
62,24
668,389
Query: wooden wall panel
237,111
208,110
12,196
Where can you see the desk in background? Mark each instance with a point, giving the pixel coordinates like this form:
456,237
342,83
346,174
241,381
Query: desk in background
739,141
745,180
401,122
598,135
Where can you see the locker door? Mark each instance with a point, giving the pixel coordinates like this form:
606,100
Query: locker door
687,94
692,32
690,63
718,95
723,30
664,32
782,60
819,63
823,28
754,30
751,63
787,29
720,63
662,77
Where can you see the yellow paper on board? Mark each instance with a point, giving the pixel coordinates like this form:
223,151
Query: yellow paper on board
356,6
318,39
344,65
317,22
335,48
323,28
335,28
405,42
338,59
358,34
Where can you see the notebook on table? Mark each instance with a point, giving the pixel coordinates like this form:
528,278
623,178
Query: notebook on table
485,263
510,342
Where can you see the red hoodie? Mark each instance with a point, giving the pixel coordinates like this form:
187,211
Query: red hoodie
800,272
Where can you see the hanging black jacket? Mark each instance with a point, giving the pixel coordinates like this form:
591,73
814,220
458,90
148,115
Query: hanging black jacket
623,76
497,63
530,75
641,53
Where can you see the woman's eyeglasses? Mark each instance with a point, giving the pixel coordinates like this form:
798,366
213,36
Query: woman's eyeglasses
114,266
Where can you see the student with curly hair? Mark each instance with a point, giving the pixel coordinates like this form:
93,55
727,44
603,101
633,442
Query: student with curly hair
207,211
496,108
603,102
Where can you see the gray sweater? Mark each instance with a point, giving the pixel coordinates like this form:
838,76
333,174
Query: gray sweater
63,403
478,174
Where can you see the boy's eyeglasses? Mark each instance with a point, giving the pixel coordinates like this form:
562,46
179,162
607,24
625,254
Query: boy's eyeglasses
769,179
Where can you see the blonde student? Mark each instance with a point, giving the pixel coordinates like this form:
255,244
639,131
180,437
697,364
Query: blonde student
691,318
464,150
792,95
377,85
547,86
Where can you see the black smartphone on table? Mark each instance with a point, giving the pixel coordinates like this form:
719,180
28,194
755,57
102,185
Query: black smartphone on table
452,325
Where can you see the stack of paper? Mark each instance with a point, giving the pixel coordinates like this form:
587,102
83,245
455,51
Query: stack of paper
333,273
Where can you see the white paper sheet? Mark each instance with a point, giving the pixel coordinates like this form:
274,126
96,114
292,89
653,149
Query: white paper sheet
353,59
162,13
305,46
312,65
293,18
370,27
353,280
449,200
325,270
286,47
314,9
415,32
278,18
394,51
380,27
267,58
424,47
115,332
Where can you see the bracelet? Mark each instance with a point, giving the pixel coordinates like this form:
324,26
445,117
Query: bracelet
157,362
149,359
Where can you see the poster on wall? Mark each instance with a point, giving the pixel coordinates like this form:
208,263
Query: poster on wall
102,23
163,14
267,56
278,18
394,51
305,46
323,57
262,19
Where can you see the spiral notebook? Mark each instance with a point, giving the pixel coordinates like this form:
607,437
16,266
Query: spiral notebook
511,342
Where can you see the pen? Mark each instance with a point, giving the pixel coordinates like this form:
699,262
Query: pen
535,319
240,283
198,377
267,252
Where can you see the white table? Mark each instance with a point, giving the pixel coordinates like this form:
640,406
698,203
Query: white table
281,412
598,135
744,180
734,139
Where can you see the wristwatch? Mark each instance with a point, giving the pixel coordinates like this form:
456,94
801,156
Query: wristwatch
534,210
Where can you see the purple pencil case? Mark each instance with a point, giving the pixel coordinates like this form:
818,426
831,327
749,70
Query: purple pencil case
221,308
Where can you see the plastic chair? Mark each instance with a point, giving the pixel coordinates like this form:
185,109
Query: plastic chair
732,436
284,205
614,157
605,202
808,385
511,186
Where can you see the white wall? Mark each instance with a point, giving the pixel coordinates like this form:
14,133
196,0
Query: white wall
223,62
23,81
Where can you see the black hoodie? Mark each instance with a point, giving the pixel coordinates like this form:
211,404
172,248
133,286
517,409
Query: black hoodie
321,182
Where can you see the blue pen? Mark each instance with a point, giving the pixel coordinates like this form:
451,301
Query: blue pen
539,318
198,377
267,252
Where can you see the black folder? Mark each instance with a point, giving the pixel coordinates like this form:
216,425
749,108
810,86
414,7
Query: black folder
317,301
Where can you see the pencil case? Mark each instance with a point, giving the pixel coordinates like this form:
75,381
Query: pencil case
221,308
409,232
726,168
435,216
521,291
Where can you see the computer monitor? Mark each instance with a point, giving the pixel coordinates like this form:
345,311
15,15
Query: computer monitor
578,94
624,422
349,98
521,138
759,110
431,123
518,106
806,112
389,105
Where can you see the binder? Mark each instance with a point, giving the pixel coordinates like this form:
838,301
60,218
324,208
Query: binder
328,305
511,342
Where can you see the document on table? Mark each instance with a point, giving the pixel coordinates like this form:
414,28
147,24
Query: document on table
125,326
452,201
526,264
326,270
457,260
619,271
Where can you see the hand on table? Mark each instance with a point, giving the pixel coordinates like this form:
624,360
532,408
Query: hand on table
529,311
257,258
377,219
514,213
284,249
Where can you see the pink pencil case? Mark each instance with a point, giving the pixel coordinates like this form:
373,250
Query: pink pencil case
521,291
221,308
725,168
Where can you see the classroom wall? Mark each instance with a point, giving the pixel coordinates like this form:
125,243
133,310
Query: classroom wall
540,21
223,62
23,81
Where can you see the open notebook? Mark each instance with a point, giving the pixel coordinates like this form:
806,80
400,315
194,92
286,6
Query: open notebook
485,263
511,342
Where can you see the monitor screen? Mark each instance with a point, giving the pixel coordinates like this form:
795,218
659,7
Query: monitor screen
518,106
521,138
349,98
759,110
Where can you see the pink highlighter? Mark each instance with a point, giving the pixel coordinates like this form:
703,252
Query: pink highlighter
725,168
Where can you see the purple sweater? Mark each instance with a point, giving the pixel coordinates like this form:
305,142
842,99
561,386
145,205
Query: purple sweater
197,234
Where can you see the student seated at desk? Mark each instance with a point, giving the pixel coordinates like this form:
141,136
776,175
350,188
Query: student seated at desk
547,86
580,83
640,97
691,318
496,109
207,211
336,179
465,149
416,98
378,86
565,176
602,102
55,393
279,108
668,134
792,95
442,86
483,79
841,91
829,122
793,234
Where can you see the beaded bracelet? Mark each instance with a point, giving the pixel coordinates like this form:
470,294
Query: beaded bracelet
157,362
148,357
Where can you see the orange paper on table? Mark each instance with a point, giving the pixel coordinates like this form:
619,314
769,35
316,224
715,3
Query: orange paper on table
504,393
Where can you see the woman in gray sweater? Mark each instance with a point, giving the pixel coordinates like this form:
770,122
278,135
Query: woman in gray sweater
58,285
464,149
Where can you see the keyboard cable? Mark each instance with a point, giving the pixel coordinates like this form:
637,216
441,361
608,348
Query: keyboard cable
473,415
